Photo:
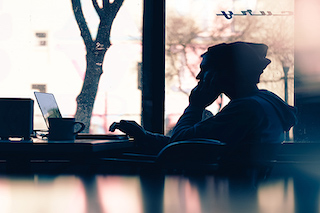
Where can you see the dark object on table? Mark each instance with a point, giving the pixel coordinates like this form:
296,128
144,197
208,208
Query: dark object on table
16,118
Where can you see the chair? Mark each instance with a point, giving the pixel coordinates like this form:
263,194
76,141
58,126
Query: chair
178,157
194,155
200,156
252,159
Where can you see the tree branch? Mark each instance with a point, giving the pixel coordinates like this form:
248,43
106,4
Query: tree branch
97,8
110,10
82,24
116,6
108,14
105,4
189,68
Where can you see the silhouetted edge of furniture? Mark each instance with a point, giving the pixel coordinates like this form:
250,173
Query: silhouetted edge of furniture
175,157
43,156
192,155
202,156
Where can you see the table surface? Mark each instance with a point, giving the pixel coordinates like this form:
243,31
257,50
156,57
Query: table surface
41,149
78,144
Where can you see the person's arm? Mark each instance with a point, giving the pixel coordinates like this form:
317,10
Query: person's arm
163,139
233,123
203,95
148,141
191,116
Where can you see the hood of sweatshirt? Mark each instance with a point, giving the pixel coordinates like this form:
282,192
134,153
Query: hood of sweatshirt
287,113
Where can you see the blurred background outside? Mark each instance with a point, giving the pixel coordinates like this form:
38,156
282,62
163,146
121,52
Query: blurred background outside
41,50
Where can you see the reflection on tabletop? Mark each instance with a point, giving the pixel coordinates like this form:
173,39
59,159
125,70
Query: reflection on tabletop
153,193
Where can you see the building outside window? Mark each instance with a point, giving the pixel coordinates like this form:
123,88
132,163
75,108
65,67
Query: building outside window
41,39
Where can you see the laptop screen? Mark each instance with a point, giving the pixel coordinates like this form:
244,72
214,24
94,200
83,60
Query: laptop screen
48,106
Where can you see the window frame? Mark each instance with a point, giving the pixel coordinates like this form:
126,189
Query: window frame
153,67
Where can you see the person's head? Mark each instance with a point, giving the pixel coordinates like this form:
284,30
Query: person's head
238,63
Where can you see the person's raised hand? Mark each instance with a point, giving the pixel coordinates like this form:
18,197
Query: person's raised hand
206,92
130,128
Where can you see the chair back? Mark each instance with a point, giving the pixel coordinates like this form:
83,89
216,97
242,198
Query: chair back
191,154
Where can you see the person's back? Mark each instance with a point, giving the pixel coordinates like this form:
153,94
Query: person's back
279,117
260,118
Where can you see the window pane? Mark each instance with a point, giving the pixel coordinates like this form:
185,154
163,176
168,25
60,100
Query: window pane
307,69
41,50
198,24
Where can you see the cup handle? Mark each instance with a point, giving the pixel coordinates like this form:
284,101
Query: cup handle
82,127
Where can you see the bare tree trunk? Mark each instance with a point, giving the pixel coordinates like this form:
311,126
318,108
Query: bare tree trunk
96,50
86,98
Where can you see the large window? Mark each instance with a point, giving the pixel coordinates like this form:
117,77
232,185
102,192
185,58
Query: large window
41,50
198,24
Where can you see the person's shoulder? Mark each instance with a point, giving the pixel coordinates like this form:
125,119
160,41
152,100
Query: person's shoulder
247,105
248,102
257,98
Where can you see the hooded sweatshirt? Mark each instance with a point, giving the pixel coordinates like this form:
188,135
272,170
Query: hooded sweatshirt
260,118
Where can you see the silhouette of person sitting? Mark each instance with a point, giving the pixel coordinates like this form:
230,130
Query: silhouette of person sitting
252,115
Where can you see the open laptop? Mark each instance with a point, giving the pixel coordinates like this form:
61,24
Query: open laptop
49,109
48,106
